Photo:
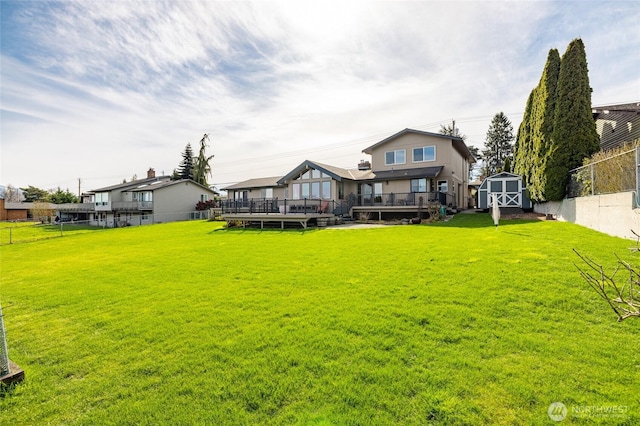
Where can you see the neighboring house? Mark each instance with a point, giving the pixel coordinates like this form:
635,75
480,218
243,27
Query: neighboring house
140,202
617,124
14,211
408,170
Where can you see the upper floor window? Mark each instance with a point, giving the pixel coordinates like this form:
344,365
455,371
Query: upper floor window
394,157
426,153
102,198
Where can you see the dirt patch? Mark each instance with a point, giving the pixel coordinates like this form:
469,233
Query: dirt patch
525,216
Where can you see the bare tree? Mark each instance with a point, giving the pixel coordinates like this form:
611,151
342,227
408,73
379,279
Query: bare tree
622,295
41,211
11,194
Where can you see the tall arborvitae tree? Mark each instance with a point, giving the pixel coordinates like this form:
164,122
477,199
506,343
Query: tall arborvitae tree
542,118
185,169
201,166
574,131
522,164
499,143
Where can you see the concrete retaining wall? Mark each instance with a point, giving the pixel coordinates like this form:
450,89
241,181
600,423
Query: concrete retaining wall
613,214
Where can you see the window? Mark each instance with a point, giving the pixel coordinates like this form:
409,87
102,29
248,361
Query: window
315,174
296,191
102,198
266,193
426,153
377,192
443,186
144,216
305,190
419,185
326,189
315,190
394,157
204,197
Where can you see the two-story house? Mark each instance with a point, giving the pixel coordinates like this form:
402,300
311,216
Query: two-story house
407,170
140,202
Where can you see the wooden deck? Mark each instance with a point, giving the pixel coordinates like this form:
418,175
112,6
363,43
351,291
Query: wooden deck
262,218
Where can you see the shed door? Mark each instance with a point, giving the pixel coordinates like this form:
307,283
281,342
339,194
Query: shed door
509,192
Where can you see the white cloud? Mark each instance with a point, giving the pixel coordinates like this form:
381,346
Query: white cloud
116,88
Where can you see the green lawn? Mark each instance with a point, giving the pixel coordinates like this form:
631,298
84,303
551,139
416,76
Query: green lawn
189,323
21,232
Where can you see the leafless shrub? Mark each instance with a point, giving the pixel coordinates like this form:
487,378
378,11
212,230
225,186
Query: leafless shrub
622,294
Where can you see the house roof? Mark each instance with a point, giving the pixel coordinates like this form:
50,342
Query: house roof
166,183
422,172
149,184
631,107
458,143
132,184
336,173
255,183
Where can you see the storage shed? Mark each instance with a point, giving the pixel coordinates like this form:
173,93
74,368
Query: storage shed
510,189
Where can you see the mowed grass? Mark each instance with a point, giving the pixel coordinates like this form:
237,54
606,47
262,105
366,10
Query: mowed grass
189,323
21,232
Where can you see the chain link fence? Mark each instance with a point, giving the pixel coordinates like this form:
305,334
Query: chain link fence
4,356
618,173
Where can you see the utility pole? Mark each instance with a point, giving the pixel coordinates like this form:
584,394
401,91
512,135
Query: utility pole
79,193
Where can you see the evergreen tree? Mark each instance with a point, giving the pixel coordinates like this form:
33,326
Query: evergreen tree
32,194
522,163
450,131
574,132
499,143
62,197
541,127
185,169
201,166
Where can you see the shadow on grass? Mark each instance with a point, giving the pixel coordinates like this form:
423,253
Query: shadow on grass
481,220
272,230
7,390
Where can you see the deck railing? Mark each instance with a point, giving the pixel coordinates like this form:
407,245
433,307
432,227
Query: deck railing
337,207
403,199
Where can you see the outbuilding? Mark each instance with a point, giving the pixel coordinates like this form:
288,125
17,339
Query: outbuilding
510,189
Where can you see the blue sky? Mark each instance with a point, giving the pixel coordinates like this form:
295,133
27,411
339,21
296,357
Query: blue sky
104,90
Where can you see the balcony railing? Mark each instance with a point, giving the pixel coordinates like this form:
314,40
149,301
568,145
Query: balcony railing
404,199
131,205
337,207
76,207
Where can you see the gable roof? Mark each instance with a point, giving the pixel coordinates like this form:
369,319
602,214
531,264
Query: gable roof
149,184
458,143
334,172
132,184
255,183
166,183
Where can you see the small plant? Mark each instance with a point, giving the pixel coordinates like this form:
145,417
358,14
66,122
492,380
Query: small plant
624,298
364,216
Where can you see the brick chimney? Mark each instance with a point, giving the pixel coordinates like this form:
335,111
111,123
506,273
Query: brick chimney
151,173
